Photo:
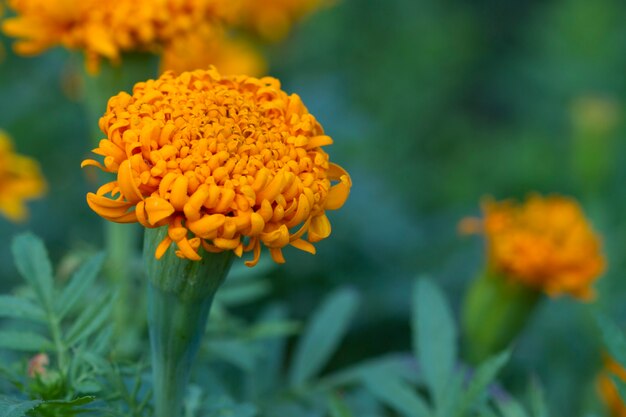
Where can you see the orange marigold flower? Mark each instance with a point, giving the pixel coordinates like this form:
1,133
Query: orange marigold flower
545,243
607,389
105,28
225,162
210,46
272,19
20,180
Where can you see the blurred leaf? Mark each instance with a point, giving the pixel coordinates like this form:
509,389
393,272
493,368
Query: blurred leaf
15,408
31,259
538,404
337,407
268,368
614,339
91,320
81,280
273,329
394,364
20,308
509,407
240,354
322,335
243,293
434,336
483,376
397,394
23,341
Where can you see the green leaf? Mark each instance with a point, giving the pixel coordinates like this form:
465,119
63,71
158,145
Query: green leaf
614,338
337,407
392,364
509,407
483,376
268,369
78,285
31,259
91,320
537,399
235,352
23,341
322,335
20,308
272,329
397,394
243,293
15,408
434,337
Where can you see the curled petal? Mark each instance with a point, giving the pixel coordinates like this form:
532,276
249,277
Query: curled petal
319,228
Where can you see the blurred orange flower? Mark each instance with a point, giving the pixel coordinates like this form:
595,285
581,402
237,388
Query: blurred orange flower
20,180
607,389
545,243
226,162
211,46
272,19
106,28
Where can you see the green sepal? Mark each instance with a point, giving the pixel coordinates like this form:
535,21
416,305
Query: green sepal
495,311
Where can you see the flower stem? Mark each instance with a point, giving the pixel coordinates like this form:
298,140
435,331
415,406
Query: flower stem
180,293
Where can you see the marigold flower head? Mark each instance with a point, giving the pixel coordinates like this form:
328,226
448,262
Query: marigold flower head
211,46
225,162
545,243
106,28
272,19
606,387
20,180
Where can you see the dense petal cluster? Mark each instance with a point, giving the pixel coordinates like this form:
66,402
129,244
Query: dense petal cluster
272,19
106,28
225,162
20,180
545,243
608,392
211,46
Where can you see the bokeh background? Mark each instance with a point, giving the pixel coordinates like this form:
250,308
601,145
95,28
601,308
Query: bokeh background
433,105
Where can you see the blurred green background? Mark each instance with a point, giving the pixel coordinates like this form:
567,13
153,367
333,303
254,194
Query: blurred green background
433,104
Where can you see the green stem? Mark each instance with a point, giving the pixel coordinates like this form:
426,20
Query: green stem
121,240
180,293
495,311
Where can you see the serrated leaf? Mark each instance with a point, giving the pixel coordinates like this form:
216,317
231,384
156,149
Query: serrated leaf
434,337
23,341
16,408
396,394
92,319
322,335
31,260
20,308
78,285
613,338
483,376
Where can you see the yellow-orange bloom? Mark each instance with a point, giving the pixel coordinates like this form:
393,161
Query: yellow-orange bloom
210,46
20,180
545,243
226,162
606,387
106,28
272,19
